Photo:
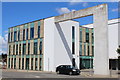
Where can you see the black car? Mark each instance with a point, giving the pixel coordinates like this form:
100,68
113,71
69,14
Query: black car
67,69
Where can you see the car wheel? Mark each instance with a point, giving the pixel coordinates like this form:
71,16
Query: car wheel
58,72
70,73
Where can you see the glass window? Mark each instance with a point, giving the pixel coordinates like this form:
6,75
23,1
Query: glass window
22,63
87,35
9,49
23,34
13,49
28,48
24,48
88,50
8,37
14,63
92,38
16,49
35,47
18,35
38,31
73,62
84,49
80,49
40,64
92,50
15,35
9,63
11,36
27,34
32,33
40,48
20,49
80,34
73,40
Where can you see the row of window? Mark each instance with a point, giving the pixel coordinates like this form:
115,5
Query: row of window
35,48
26,63
16,34
87,33
86,51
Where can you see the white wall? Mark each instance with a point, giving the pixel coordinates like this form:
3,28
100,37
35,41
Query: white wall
63,43
58,43
48,44
113,38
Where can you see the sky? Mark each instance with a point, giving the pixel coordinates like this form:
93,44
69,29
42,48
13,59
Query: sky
16,13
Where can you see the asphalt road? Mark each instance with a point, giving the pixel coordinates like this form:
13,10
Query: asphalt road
22,74
38,74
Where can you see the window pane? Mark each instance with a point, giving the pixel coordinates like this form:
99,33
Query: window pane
35,47
23,34
27,34
73,40
31,33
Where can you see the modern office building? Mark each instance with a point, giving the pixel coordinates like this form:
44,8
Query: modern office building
42,45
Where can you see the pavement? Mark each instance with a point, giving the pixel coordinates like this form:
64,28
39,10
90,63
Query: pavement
87,73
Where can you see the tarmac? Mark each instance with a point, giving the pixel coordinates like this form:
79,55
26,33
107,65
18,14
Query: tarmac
85,73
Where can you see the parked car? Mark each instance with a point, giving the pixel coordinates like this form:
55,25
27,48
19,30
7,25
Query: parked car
67,69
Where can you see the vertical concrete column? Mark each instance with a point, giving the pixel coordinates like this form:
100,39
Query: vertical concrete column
101,59
90,42
15,49
18,48
82,49
34,63
26,47
86,49
84,34
21,62
13,34
25,33
21,32
21,55
13,61
29,31
12,49
31,46
30,63
38,46
17,62
24,62
36,29
10,62
38,59
42,28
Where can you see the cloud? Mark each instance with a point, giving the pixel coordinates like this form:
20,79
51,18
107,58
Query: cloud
64,10
85,4
3,43
75,2
114,10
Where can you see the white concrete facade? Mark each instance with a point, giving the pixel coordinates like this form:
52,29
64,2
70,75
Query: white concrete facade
58,43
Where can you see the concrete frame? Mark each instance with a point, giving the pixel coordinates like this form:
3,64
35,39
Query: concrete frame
100,14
